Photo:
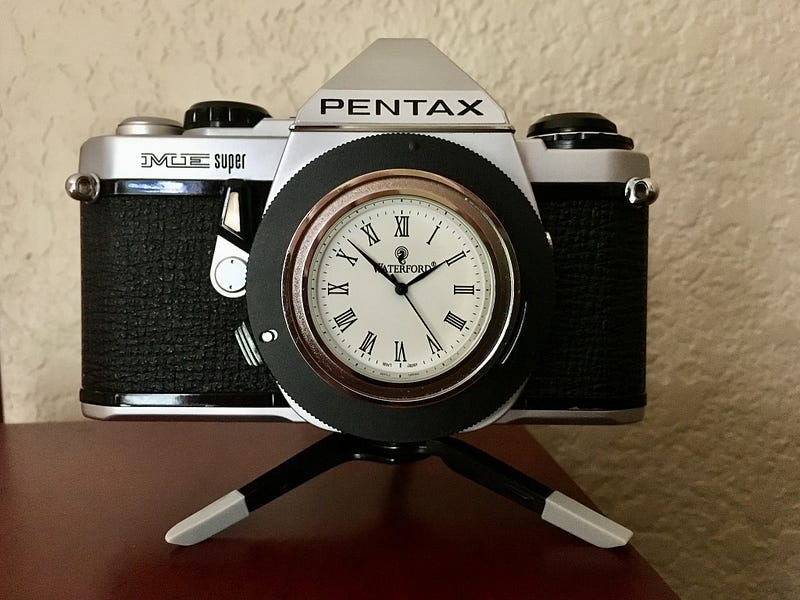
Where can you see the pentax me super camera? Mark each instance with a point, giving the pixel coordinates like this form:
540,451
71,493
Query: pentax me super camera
392,263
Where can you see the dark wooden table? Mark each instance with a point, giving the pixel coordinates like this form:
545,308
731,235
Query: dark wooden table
84,508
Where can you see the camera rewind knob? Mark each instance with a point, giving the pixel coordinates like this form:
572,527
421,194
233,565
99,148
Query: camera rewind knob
579,130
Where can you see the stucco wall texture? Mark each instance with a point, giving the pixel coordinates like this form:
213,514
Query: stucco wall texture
710,89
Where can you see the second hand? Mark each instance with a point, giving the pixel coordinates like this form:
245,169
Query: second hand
422,320
400,288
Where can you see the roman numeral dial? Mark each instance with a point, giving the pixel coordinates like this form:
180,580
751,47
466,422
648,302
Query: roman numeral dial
400,288
341,288
455,321
402,226
369,231
368,345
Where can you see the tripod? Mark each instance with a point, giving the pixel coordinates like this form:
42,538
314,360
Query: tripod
338,448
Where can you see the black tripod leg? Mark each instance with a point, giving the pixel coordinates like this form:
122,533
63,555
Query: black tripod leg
554,507
321,456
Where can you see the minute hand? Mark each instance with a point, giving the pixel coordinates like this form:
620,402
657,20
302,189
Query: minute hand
375,264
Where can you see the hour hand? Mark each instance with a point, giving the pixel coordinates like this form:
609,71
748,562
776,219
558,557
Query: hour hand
376,265
424,274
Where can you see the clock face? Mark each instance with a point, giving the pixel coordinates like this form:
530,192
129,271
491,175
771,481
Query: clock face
401,287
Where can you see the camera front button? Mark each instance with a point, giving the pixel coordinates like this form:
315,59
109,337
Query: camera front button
231,274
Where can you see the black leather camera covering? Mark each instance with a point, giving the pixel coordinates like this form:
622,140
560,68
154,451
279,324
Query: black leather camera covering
596,353
152,322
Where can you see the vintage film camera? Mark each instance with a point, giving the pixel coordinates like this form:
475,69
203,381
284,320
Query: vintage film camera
392,263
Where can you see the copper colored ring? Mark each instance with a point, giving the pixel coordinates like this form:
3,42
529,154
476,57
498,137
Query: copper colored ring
327,212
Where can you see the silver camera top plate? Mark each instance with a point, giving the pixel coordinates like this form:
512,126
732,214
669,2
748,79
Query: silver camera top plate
402,84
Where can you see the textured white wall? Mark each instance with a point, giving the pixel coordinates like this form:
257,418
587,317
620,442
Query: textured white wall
709,89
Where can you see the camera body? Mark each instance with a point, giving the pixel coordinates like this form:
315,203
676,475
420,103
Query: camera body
190,235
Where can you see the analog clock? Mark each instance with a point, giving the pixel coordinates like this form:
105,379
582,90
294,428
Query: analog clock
400,286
